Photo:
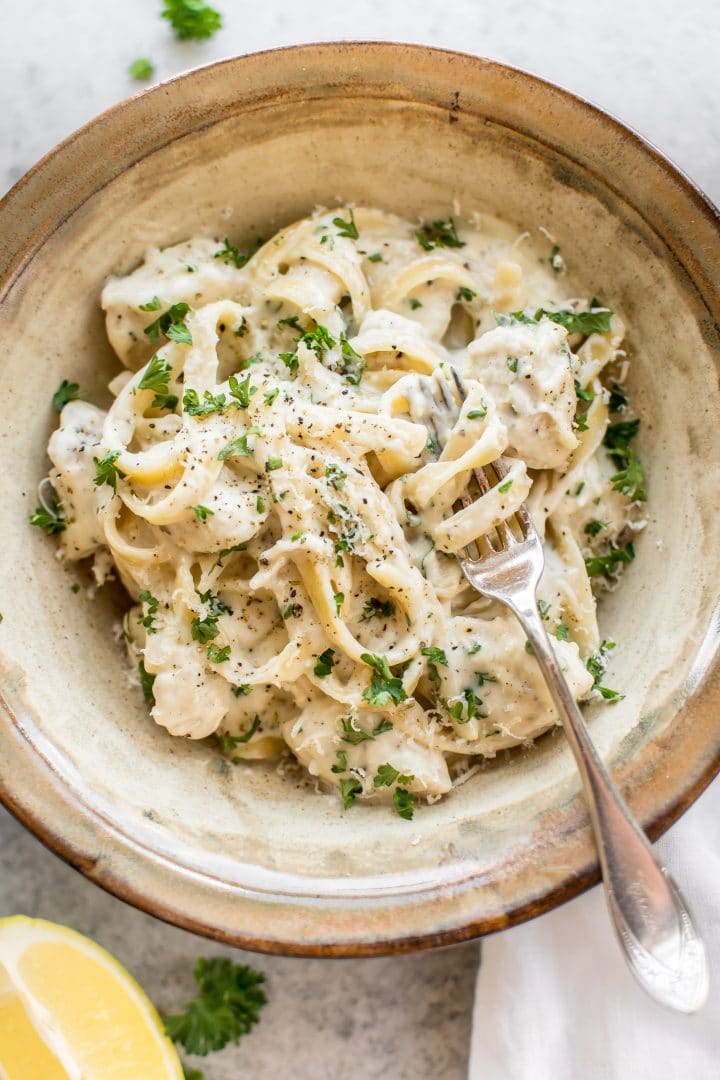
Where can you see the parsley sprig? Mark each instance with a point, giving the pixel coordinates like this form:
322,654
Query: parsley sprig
439,234
157,377
385,688
50,518
232,255
106,471
607,564
630,479
596,666
355,735
192,19
227,1006
66,391
172,324
347,228
595,321
374,608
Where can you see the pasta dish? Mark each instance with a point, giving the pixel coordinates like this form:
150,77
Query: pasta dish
265,488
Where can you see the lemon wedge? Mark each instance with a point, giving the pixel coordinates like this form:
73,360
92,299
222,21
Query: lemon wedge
70,1011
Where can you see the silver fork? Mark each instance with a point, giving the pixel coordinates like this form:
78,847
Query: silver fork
651,919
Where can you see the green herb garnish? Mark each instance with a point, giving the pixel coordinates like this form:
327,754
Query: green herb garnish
324,664
227,1006
386,776
66,391
51,519
172,324
385,688
142,68
374,608
439,234
107,472
346,228
608,563
148,619
191,19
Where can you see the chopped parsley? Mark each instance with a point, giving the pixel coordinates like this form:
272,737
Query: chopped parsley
201,512
106,471
206,629
172,324
504,488
561,632
467,708
341,764
239,447
293,321
66,391
51,519
142,68
385,688
387,775
353,364
151,305
335,476
592,528
435,655
211,403
324,664
376,257
596,666
148,619
439,234
318,340
260,504
243,690
543,608
291,611
512,363
229,742
349,789
608,563
355,735
241,391
339,600
191,19
232,255
227,1005
156,378
291,360
146,683
575,322
618,398
630,478
273,463
583,394
477,414
402,801
414,303
270,396
346,228
217,655
374,608
465,294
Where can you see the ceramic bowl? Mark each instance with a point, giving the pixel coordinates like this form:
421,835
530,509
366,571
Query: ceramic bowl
240,148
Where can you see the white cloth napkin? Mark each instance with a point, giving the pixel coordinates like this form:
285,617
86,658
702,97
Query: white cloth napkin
554,1000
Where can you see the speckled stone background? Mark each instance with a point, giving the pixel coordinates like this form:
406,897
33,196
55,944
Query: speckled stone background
654,63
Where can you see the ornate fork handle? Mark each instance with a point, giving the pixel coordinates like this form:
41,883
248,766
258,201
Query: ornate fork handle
651,919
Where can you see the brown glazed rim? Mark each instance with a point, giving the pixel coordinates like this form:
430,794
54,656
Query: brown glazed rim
99,870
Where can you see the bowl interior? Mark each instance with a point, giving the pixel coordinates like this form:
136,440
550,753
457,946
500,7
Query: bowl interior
216,831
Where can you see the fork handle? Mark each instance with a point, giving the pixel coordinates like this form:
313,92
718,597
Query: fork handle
651,919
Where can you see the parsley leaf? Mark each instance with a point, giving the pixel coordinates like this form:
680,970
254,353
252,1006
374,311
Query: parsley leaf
142,68
52,519
238,447
201,512
241,391
273,463
439,234
402,801
156,377
172,324
386,776
191,19
335,476
216,655
341,764
384,687
270,396
504,488
353,363
596,666
607,564
152,305
66,391
347,228
543,608
319,340
227,1005
630,478
561,632
107,472
148,619
349,789
434,655
618,398
324,664
229,742
466,294
374,607
575,322
232,255
592,528
146,683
